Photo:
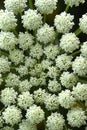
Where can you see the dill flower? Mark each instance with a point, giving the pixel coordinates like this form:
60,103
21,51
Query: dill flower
4,65
83,23
7,20
7,40
51,102
12,115
39,95
76,117
74,2
25,40
45,34
25,100
54,86
55,122
68,79
25,125
69,42
12,80
36,51
61,25
80,92
16,6
66,99
46,7
35,114
63,61
8,96
84,50
16,56
7,128
31,19
24,85
79,66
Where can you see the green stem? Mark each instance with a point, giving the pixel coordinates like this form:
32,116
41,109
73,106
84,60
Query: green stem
2,109
82,80
57,34
67,8
81,104
75,53
65,127
12,68
20,13
15,33
4,53
78,31
35,36
44,18
31,4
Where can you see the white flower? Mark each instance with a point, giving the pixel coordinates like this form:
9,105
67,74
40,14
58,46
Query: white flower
1,80
46,6
34,81
45,34
53,72
8,96
42,79
22,70
36,71
25,125
63,22
7,128
25,100
80,92
31,19
12,80
76,117
46,64
7,40
68,79
79,66
30,62
55,122
25,40
7,20
63,61
1,121
74,2
84,49
51,51
35,114
4,65
51,102
12,115
83,23
24,85
54,86
36,51
66,99
16,6
39,95
69,42
16,56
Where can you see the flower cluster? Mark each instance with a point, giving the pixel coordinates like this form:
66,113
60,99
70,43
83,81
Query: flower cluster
43,67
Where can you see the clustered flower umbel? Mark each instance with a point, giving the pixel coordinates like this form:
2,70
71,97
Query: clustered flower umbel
42,78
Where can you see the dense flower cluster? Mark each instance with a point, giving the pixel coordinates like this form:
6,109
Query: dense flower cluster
43,68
